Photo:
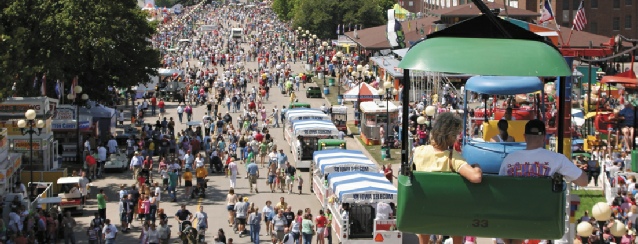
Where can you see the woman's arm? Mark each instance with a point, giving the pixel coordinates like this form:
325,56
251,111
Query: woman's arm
472,173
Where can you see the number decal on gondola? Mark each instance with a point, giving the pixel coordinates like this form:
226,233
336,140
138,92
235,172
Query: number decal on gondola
480,223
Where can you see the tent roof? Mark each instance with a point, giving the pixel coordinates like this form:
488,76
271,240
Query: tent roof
374,38
367,92
389,64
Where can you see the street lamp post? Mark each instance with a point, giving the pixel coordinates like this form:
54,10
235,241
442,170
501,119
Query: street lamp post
325,69
388,94
358,106
339,59
72,97
26,127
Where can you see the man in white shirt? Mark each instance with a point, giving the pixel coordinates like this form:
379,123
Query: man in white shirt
14,222
112,145
232,168
536,161
109,232
101,158
136,164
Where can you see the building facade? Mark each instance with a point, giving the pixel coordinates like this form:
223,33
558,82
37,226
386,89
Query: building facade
604,17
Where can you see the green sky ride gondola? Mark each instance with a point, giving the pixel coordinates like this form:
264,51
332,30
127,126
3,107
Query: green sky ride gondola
505,207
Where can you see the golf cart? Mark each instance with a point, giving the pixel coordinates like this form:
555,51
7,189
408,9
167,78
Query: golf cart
70,194
116,162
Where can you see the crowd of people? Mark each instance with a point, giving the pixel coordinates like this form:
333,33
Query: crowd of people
172,165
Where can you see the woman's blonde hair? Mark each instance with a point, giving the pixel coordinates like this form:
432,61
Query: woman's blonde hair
447,127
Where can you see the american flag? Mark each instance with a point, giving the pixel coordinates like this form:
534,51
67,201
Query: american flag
580,20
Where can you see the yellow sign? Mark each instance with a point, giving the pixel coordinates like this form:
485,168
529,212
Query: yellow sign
25,145
14,130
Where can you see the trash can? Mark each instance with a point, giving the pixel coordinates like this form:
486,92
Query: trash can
340,99
331,81
326,91
320,76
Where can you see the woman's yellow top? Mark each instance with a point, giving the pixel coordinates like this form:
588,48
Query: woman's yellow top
188,176
427,159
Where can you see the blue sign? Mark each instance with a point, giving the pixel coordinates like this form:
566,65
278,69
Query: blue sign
69,125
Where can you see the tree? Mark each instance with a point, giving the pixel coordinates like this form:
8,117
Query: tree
283,9
323,17
104,43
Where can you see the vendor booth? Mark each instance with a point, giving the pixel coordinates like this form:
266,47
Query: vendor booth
10,164
387,69
64,127
375,114
45,149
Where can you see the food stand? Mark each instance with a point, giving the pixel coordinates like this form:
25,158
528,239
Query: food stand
64,127
45,147
375,114
9,164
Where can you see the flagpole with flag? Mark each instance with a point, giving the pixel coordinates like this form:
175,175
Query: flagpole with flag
580,20
548,15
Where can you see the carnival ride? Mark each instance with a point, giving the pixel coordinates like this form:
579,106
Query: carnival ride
431,202
489,154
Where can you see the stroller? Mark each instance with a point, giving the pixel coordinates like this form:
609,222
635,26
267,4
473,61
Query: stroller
187,233
200,189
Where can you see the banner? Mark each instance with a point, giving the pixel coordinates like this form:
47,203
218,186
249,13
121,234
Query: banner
24,145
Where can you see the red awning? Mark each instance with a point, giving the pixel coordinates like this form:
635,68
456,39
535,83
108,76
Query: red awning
627,78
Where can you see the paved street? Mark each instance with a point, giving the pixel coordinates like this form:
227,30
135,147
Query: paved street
214,203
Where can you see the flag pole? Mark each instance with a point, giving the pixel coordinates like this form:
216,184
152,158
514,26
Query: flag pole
570,37
560,35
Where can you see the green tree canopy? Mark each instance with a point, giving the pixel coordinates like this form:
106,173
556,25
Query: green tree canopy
323,17
104,43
